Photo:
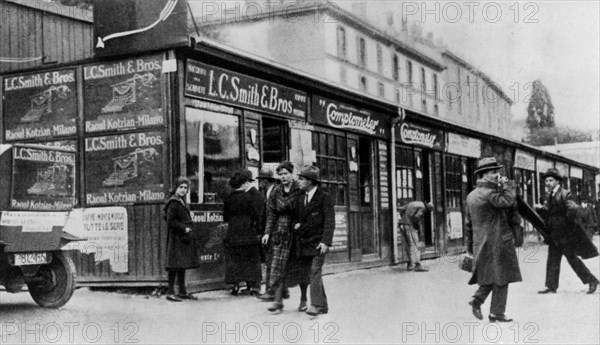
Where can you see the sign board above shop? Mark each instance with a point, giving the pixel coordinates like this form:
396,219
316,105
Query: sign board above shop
463,145
224,86
524,160
345,116
40,105
124,95
421,136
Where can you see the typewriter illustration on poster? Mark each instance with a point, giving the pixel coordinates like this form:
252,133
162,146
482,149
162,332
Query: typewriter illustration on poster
56,99
138,90
51,180
134,165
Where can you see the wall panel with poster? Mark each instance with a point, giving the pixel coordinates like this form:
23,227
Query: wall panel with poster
40,105
125,168
124,95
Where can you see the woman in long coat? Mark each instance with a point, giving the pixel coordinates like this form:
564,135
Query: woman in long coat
490,220
241,210
287,268
181,252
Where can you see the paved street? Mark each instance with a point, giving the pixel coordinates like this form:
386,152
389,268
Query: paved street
383,305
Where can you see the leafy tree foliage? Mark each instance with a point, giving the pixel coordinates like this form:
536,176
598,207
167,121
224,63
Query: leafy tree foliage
540,111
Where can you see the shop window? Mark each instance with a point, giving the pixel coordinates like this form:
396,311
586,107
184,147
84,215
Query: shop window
275,140
405,186
332,161
212,154
365,158
453,168
409,72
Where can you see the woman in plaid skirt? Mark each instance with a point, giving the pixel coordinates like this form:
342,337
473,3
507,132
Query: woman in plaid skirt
287,269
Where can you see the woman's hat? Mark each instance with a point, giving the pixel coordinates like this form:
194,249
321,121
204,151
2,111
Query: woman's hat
486,164
552,172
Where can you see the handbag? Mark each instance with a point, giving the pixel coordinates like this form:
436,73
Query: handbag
465,262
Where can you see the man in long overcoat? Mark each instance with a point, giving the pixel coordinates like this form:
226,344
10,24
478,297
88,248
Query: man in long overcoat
565,236
495,262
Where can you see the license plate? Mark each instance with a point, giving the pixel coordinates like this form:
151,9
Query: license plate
22,259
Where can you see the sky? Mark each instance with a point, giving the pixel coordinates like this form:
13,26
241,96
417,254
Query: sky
514,43
517,42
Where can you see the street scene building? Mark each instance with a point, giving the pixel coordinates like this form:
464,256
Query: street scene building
103,109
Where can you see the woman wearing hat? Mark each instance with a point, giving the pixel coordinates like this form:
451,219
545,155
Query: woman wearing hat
241,210
181,252
495,263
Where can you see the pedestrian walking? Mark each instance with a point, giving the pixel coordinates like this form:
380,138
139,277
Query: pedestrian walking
278,230
181,252
266,182
410,223
241,211
495,263
587,216
560,212
313,234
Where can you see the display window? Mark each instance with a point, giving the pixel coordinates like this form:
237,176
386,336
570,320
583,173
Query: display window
332,161
405,186
453,174
212,154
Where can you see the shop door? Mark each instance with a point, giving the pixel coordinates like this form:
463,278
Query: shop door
423,186
366,173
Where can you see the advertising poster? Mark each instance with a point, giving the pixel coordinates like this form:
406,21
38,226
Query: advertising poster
340,234
105,231
455,225
123,95
208,233
41,105
43,179
125,168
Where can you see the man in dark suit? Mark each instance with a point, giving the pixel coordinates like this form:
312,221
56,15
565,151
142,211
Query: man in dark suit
559,212
314,231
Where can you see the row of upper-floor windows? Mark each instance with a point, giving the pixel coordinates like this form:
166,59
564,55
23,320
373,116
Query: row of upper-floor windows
424,85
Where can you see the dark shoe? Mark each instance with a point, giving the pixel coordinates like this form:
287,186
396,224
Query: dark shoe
188,296
410,267
173,298
302,306
593,287
419,268
476,309
266,297
314,311
235,290
547,290
276,306
499,318
286,294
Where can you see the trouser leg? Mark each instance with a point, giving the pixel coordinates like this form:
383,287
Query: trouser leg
181,282
482,293
499,297
171,289
582,271
553,266
415,256
318,298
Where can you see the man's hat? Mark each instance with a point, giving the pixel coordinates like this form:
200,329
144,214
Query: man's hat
552,172
486,164
429,206
311,172
266,173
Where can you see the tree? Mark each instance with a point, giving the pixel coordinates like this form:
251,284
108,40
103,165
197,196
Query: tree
540,111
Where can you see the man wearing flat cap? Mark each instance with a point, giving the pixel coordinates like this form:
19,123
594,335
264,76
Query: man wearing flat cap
559,211
410,223
314,231
490,235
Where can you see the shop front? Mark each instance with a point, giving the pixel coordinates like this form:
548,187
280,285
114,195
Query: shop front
460,160
419,176
524,177
351,144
